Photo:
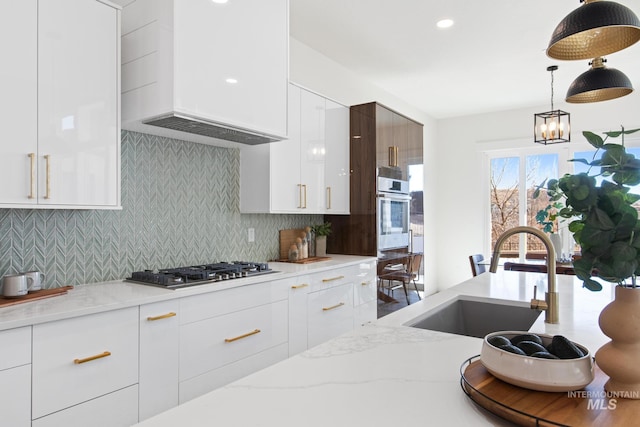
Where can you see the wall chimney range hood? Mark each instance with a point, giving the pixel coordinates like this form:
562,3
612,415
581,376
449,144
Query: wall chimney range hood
189,70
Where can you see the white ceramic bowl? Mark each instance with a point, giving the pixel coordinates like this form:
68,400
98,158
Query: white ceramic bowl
555,375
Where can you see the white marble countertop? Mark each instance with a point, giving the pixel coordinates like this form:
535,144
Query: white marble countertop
387,373
98,297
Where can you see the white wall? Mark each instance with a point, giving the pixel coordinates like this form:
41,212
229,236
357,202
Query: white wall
320,74
461,193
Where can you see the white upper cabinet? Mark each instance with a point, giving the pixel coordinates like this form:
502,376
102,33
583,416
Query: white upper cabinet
199,70
62,142
18,85
308,173
336,172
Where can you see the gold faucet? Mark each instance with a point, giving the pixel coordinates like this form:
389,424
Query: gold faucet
550,302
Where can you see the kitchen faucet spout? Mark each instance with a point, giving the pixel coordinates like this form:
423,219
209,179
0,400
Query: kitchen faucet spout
550,304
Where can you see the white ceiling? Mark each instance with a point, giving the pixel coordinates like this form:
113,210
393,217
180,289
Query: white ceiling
492,59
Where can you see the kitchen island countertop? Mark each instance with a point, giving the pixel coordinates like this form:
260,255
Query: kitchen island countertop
387,373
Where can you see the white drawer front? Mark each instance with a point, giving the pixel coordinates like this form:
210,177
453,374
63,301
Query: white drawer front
364,290
365,313
205,306
218,341
117,409
63,377
159,357
16,347
212,380
333,278
15,395
330,313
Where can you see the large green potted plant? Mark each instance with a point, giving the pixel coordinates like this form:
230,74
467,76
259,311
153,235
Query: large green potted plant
605,225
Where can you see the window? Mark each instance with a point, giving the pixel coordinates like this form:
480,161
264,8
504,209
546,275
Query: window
513,177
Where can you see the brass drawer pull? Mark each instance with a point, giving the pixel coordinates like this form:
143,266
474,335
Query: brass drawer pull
365,283
32,187
248,334
162,316
332,307
304,285
332,279
90,358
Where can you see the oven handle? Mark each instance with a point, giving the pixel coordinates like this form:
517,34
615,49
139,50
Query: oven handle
394,196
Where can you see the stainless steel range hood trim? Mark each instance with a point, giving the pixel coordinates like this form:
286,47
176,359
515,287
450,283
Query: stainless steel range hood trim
198,126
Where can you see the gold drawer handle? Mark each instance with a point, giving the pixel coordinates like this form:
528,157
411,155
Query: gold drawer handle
90,358
304,285
248,334
332,307
162,316
332,279
365,283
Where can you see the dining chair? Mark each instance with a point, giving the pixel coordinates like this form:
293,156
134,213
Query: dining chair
406,275
476,266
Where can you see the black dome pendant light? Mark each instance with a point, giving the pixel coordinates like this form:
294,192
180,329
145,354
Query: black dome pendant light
598,84
595,29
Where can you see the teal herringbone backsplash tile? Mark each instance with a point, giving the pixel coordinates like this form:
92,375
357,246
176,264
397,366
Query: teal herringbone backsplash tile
180,207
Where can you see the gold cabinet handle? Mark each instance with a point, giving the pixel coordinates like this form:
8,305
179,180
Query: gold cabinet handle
393,156
162,316
239,337
32,186
305,196
365,283
47,159
332,279
332,307
300,196
90,358
304,285
328,197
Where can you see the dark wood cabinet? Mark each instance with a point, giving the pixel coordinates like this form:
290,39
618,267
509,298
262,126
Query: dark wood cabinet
379,138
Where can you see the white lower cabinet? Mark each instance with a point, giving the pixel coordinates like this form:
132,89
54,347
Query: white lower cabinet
298,313
330,313
111,410
80,359
365,295
15,377
225,328
159,357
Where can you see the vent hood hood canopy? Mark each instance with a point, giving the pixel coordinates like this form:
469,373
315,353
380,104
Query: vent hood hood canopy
212,130
189,70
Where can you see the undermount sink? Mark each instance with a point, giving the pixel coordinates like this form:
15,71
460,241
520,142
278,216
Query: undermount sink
476,318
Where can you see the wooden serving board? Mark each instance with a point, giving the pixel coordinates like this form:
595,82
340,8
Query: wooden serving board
307,260
588,407
34,296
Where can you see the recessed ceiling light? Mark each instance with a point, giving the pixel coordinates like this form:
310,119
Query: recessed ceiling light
219,1
444,23
231,80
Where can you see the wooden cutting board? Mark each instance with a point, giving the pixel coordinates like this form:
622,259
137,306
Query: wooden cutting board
287,238
34,296
524,407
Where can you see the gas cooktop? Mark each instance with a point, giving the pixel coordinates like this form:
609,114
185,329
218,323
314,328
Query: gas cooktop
180,277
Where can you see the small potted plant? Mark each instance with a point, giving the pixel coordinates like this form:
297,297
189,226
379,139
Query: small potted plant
547,219
321,231
605,224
